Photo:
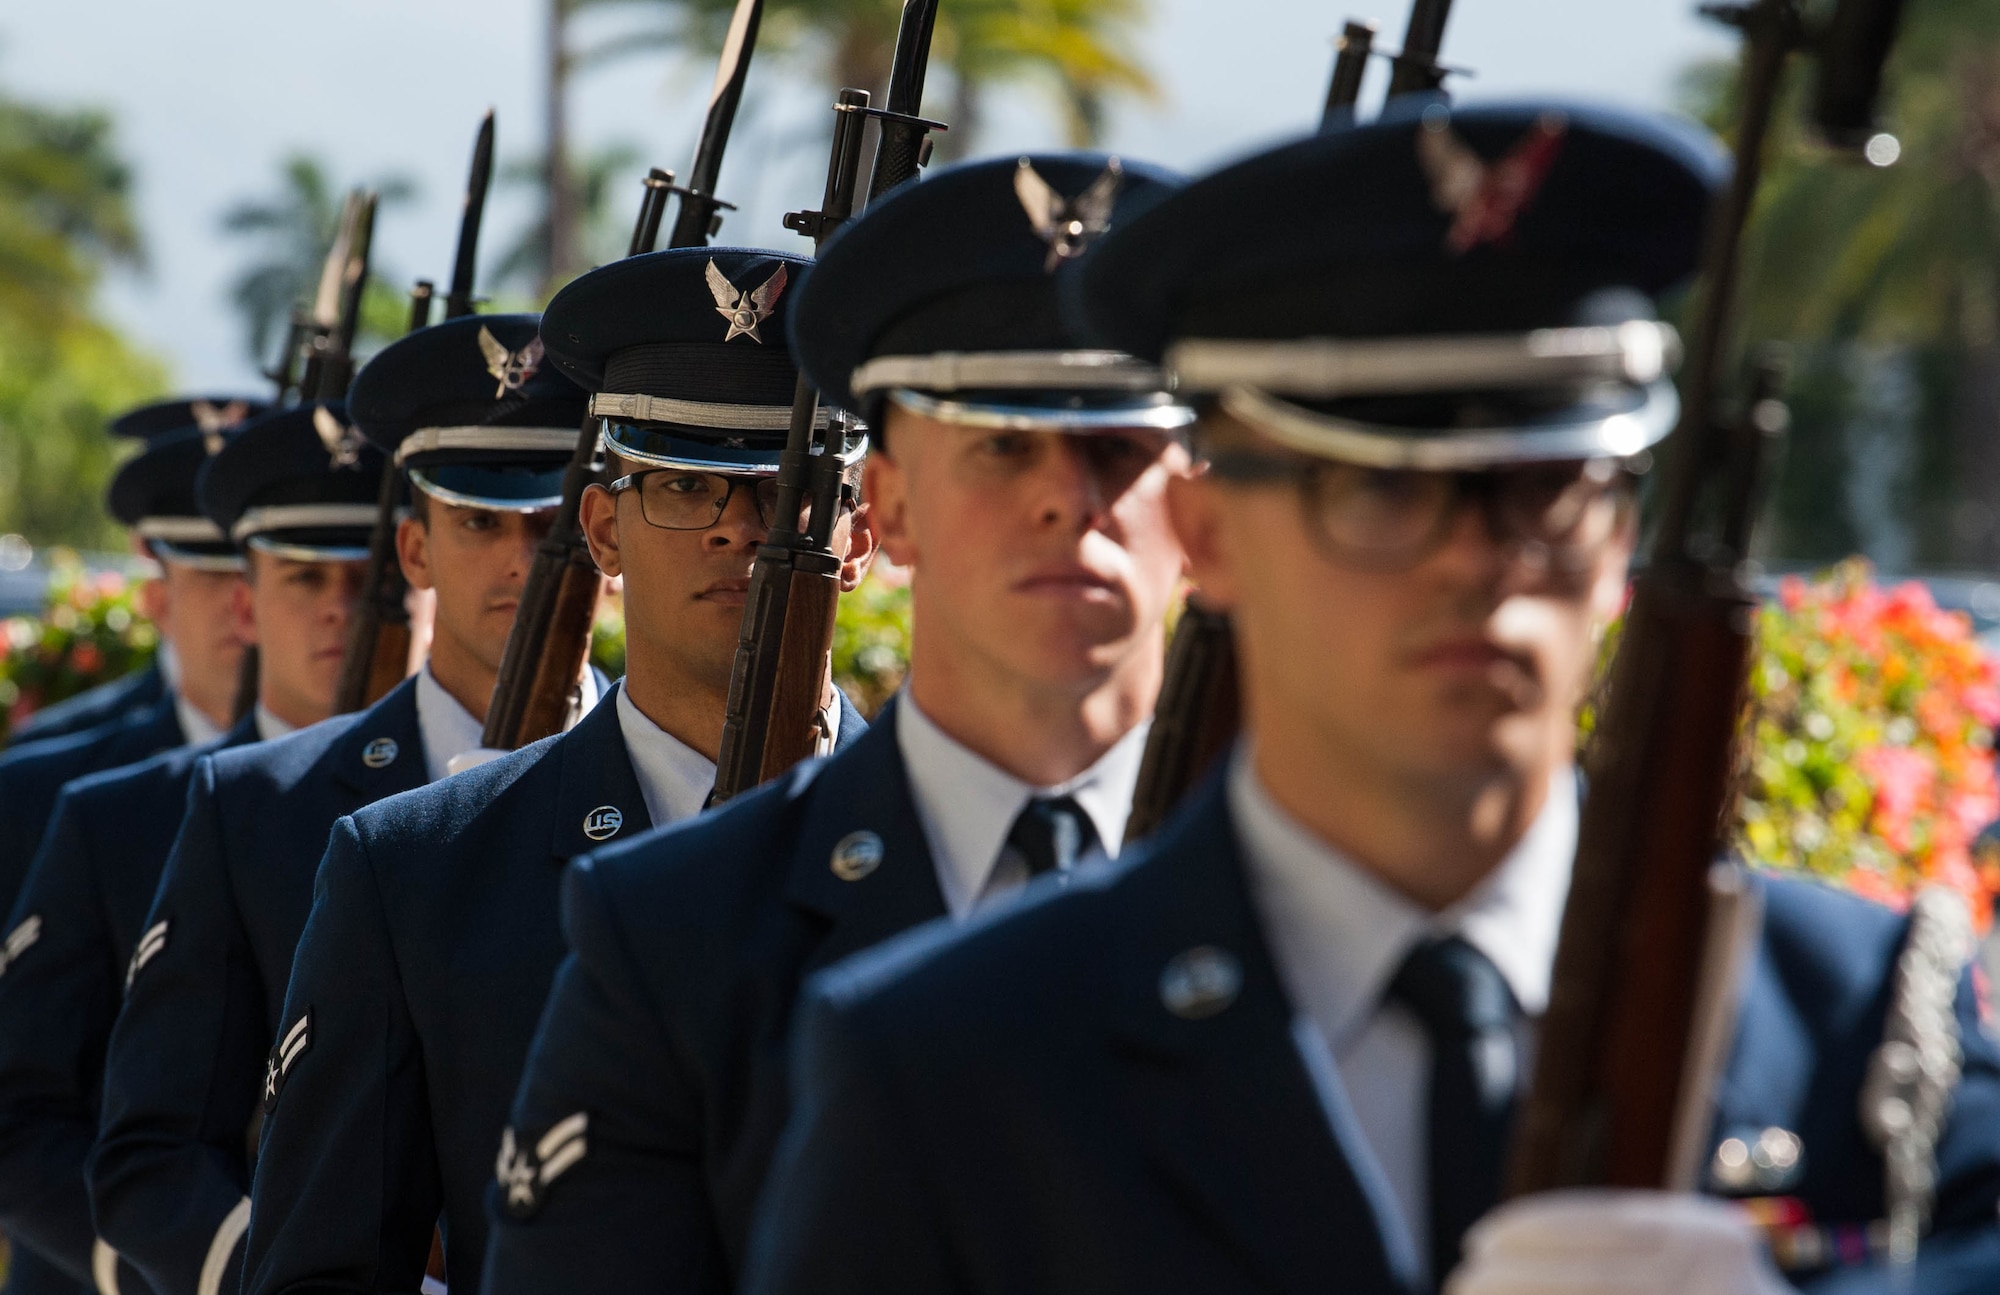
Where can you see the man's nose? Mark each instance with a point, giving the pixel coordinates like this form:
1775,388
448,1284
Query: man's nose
740,522
1068,489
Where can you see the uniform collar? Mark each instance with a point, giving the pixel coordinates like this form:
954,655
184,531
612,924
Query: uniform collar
597,797
674,778
382,750
967,804
1339,935
448,728
1219,1090
197,728
859,860
269,725
169,663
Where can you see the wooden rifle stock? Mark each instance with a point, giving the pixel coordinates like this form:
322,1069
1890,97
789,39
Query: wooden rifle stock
1195,720
551,630
780,673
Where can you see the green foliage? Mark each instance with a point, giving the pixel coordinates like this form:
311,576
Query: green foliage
871,642
89,632
64,217
607,192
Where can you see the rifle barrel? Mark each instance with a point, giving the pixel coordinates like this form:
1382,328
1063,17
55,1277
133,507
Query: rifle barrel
458,300
1356,43
1417,66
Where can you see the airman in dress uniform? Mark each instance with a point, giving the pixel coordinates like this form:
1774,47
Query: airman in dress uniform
483,428
1022,479
185,601
433,934
80,914
1279,1049
192,689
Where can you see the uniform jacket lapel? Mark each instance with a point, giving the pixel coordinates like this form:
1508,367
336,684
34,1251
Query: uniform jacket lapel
597,791
863,793
382,751
1225,1105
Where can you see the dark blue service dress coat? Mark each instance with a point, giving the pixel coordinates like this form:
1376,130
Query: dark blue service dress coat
122,698
418,983
183,1080
1013,1107
666,1027
32,776
86,899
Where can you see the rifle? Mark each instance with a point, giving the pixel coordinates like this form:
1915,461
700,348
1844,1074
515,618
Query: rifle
378,640
550,641
784,651
326,343
1416,67
1350,64
1199,711
1625,1061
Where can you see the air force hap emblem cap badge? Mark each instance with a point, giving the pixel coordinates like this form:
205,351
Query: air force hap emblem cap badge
686,353
300,482
473,411
948,297
1441,289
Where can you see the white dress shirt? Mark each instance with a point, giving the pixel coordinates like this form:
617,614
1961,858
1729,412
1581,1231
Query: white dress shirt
197,728
967,805
1338,936
449,730
269,725
674,778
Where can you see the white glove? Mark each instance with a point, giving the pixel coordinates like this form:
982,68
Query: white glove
1603,1242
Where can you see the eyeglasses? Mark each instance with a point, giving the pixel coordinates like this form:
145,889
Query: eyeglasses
675,499
1556,515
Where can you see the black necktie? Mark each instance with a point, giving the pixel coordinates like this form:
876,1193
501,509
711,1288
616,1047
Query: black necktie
1050,833
1468,1013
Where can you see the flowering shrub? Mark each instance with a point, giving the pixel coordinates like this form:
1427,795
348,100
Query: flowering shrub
89,632
1869,760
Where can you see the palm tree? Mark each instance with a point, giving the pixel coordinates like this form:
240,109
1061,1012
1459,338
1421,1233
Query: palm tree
293,228
64,208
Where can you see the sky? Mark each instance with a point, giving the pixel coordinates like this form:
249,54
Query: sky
210,95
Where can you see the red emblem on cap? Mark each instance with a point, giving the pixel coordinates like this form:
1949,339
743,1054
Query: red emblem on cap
1485,199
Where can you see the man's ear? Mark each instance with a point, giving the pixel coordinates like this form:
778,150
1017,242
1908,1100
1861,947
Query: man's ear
859,546
413,551
243,612
885,487
597,514
1194,507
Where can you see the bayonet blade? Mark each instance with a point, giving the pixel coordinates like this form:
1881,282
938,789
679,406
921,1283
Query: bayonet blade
458,301
695,220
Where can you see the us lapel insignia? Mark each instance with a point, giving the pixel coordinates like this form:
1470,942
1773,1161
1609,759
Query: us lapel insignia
380,754
1200,982
856,855
285,1055
511,369
602,823
214,420
524,1173
1486,199
745,308
150,945
19,940
342,440
1067,225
